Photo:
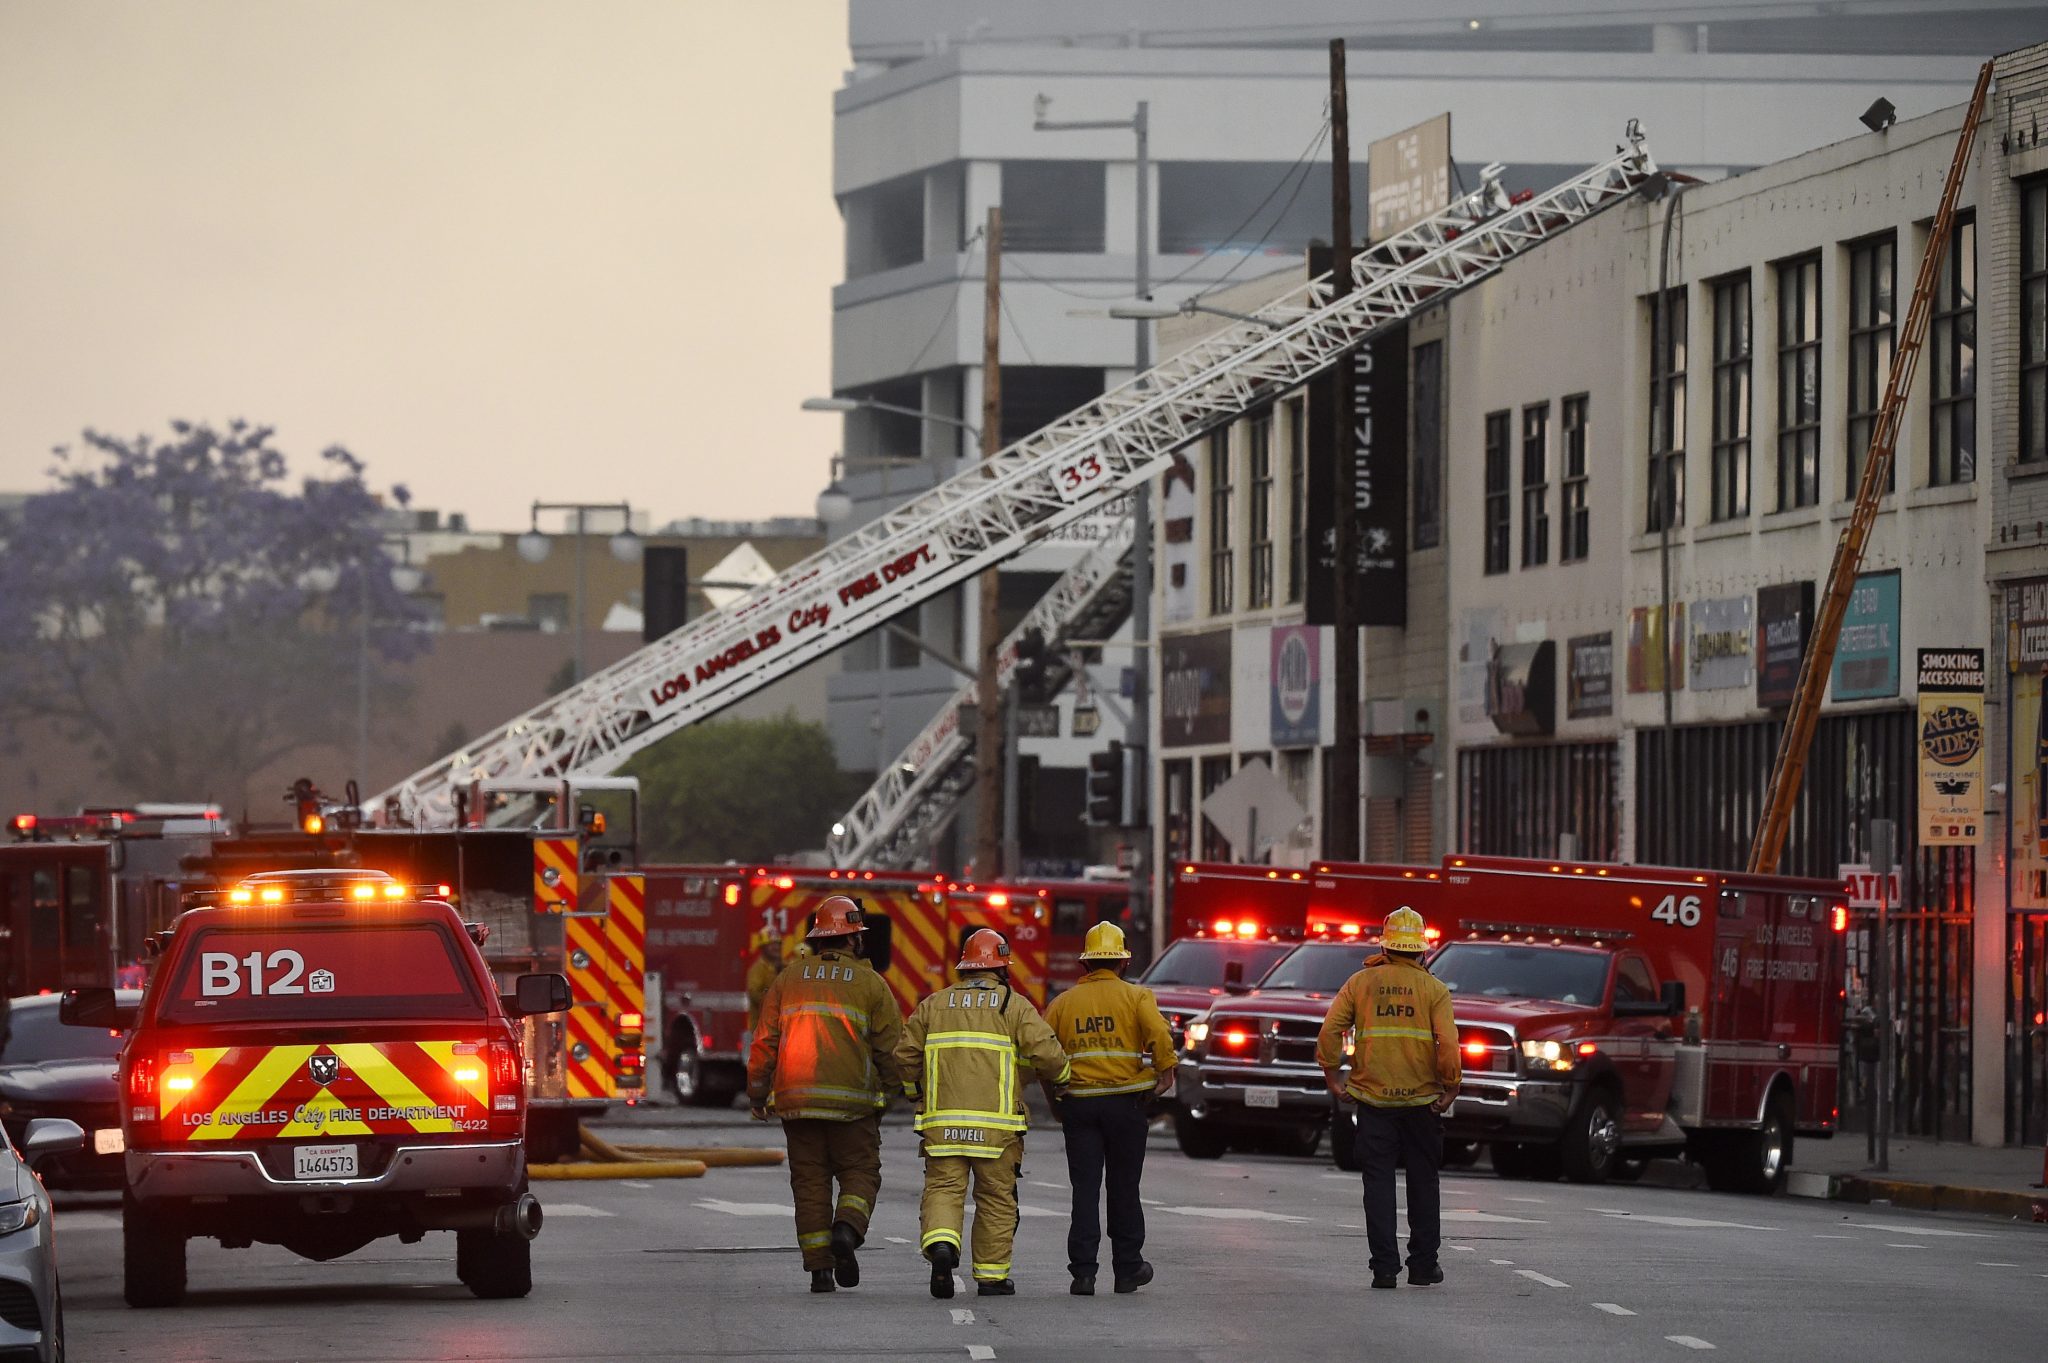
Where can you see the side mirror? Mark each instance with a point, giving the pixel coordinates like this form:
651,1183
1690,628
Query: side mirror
51,1136
1673,994
95,1006
538,994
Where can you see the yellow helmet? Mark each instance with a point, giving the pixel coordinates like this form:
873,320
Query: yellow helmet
1403,931
1105,942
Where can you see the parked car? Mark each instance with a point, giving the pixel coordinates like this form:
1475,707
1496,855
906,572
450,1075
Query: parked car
50,1070
31,1306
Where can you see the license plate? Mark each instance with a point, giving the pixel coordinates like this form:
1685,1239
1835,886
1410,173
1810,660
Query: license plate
1262,1097
107,1141
323,1161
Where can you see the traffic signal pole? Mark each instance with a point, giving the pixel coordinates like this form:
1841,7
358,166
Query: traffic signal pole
1340,833
988,742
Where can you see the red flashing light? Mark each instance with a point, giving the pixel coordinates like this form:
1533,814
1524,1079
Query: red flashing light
785,882
1476,1049
732,894
2041,1019
631,1022
1222,927
443,891
1236,1036
998,900
1841,923
24,823
1587,1048
1432,934
46,991
1350,929
1247,928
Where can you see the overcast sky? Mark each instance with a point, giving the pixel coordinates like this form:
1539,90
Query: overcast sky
501,249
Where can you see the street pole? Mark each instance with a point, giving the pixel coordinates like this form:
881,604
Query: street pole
1882,859
1011,855
989,738
579,594
1340,842
1139,732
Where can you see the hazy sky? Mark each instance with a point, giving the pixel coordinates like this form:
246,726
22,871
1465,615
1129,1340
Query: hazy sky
502,249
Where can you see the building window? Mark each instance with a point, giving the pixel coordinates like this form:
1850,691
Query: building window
1222,563
2034,321
1666,487
1575,527
1731,397
1297,500
1214,772
1799,383
1428,397
1260,431
1536,485
1054,206
1952,438
1497,508
1873,330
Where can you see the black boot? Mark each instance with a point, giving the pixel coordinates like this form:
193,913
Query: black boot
1000,1287
1425,1277
1083,1285
1135,1279
845,1268
944,1259
821,1280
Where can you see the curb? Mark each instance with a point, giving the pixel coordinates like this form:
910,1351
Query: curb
1930,1197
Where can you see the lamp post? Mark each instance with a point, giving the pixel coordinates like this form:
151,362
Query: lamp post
1144,310
534,547
1140,125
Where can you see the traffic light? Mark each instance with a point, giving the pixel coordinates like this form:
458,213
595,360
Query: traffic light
1106,786
1029,676
1133,787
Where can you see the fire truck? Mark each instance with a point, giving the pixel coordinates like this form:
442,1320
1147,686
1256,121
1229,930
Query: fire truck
1606,1014
706,926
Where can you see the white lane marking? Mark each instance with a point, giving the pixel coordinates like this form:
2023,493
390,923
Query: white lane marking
635,1183
719,1204
1234,1214
980,1351
1834,1237
962,1316
1533,1276
1529,1199
1041,1183
1689,1341
1462,1249
1467,1214
1611,1309
1684,1222
1982,1264
573,1209
1151,1202
1889,1245
896,1240
1504,1263
1916,1228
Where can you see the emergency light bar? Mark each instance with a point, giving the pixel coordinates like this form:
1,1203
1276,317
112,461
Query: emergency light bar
1533,931
303,887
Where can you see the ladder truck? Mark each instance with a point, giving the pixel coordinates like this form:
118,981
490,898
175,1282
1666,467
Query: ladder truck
1074,467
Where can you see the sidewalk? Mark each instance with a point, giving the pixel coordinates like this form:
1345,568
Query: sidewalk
1932,1175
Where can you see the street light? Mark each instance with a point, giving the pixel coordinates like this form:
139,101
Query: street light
626,547
1145,310
835,503
845,405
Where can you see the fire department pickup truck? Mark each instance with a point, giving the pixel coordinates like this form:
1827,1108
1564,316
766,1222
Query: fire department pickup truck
1612,1013
318,1062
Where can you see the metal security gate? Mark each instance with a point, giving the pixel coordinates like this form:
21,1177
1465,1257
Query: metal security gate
2026,1030
1518,801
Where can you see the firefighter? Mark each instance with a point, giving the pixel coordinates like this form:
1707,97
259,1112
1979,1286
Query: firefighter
824,1058
1123,1058
1404,1074
961,1057
767,965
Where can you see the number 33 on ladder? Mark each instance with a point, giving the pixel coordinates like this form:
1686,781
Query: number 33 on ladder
1079,475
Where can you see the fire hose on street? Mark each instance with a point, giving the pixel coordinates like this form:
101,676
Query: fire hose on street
601,1159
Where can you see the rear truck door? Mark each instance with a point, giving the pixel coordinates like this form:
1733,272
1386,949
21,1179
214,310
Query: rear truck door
699,941
1802,992
1738,1013
1021,921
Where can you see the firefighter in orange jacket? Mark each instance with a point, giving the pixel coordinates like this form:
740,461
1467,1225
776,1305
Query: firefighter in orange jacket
824,1057
1123,1056
961,1055
1404,1074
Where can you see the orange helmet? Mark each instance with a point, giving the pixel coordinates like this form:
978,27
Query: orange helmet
984,949
837,916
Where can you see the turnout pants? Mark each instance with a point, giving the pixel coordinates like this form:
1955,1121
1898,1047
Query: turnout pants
1106,1135
995,1206
819,1152
1413,1135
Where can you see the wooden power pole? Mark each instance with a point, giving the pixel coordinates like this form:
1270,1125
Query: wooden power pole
1340,839
988,738
1819,662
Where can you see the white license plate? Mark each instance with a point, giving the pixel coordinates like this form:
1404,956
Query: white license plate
1262,1097
107,1141
323,1161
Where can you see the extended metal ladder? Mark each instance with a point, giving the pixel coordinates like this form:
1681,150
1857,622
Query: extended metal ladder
990,511
891,824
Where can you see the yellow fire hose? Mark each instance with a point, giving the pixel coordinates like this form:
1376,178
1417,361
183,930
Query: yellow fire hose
605,1160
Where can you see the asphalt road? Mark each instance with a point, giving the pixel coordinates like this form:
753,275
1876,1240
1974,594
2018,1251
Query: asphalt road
1259,1258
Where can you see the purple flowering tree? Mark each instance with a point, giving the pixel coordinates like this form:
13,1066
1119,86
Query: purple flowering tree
183,609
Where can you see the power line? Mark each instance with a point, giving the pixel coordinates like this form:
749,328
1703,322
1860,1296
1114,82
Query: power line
1308,152
952,307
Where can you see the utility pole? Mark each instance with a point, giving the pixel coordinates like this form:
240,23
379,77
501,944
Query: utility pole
988,741
1340,839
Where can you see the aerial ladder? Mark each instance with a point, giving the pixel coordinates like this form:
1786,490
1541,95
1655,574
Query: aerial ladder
911,801
1075,467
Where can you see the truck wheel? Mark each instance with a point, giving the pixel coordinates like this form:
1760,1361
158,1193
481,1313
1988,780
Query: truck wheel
1344,1140
1762,1157
152,1258
1592,1140
491,1265
1199,1139
1301,1143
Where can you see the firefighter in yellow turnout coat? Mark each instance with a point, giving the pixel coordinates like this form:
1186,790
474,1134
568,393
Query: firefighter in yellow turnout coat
963,1052
825,1056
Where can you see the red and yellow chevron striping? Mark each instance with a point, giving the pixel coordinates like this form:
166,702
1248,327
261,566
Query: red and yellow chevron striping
241,1093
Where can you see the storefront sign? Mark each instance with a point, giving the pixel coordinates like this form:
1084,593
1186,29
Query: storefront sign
1784,618
1194,689
1951,686
1589,679
1650,645
1521,689
1297,684
1378,449
1867,656
785,621
1720,643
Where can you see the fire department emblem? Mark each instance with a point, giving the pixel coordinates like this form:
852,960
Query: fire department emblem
325,1069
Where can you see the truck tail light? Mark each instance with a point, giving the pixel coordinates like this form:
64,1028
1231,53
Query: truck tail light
732,894
1841,919
142,1074
507,1084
